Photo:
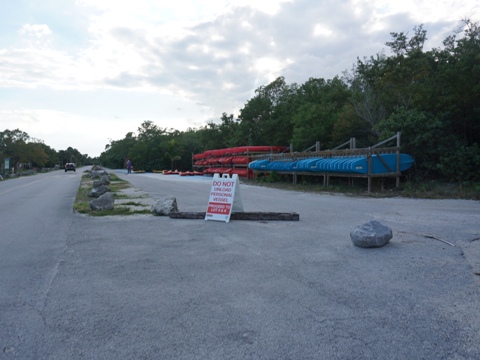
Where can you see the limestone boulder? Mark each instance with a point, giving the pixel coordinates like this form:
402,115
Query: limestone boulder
165,207
98,173
371,234
103,202
97,184
99,191
105,179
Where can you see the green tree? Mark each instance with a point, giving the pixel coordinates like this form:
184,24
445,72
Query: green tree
13,145
227,130
118,151
52,156
173,153
35,155
366,100
348,124
422,136
456,85
322,102
147,152
266,118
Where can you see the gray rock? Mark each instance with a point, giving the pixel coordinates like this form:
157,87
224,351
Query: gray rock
97,184
105,179
103,202
371,234
97,174
165,206
99,191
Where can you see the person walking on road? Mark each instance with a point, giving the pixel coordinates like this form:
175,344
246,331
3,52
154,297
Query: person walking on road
129,166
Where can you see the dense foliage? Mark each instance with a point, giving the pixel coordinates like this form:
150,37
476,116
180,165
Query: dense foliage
26,153
430,97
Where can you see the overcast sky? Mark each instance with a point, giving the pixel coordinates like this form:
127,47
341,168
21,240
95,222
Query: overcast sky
83,72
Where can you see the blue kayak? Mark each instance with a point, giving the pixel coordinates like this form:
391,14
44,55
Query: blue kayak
359,165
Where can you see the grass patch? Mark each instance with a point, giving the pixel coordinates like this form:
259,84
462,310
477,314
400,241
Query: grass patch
82,200
381,187
120,196
120,210
133,203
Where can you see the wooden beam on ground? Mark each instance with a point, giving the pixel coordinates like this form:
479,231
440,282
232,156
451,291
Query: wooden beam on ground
263,216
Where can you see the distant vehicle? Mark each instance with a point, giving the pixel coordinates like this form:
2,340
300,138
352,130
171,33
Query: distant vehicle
69,166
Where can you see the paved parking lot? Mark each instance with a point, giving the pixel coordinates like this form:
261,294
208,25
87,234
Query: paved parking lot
150,287
292,290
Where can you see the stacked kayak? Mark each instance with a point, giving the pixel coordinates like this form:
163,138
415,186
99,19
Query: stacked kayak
233,160
355,165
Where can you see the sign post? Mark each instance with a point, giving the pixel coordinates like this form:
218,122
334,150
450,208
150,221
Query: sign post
6,167
224,198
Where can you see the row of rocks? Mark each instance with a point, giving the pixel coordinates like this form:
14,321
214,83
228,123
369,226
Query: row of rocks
104,199
97,172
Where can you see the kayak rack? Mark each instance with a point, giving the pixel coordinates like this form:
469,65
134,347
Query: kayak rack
376,161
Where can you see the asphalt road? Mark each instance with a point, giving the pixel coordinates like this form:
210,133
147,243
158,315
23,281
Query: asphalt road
146,287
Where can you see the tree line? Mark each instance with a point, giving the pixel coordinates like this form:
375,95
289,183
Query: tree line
431,97
26,152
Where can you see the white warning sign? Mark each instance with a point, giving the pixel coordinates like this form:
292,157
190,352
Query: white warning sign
224,198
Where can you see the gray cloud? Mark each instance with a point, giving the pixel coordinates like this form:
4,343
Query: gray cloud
224,51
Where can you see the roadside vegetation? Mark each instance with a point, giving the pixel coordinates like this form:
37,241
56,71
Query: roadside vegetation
27,154
381,188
